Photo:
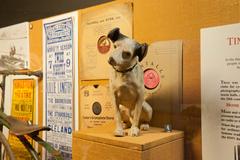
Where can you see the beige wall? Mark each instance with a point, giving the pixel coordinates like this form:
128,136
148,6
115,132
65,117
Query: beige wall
156,20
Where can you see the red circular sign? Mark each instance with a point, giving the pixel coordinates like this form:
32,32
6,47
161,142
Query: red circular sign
103,44
151,78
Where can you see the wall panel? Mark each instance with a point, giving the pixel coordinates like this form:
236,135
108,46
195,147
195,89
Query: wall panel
156,20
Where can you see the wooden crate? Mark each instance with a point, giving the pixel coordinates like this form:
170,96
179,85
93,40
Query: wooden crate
154,144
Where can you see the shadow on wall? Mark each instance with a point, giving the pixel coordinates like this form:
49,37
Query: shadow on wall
187,120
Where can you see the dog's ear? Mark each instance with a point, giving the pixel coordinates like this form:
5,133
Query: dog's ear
115,35
141,51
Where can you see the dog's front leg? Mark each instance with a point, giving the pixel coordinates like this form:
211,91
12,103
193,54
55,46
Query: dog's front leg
119,132
134,130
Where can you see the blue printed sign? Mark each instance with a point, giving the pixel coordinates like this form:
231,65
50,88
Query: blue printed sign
59,84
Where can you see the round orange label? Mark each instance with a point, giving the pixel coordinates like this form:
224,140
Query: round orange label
103,44
151,78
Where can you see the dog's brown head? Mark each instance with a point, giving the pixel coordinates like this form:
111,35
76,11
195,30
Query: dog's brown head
127,52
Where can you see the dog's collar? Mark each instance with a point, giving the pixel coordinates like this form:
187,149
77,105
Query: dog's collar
127,70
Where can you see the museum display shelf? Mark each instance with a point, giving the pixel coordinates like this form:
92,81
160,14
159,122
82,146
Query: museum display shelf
154,144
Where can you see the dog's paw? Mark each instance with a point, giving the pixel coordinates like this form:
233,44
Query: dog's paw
119,133
134,132
126,125
144,127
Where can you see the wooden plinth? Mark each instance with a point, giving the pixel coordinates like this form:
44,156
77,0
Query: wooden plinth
154,144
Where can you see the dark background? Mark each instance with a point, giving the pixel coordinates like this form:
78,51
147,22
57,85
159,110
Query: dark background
16,11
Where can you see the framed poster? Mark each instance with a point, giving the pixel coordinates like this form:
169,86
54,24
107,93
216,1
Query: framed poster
14,47
21,94
60,41
220,92
94,44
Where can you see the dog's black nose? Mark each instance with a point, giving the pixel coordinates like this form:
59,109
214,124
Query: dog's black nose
111,61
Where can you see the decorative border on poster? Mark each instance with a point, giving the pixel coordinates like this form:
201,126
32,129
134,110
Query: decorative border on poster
60,37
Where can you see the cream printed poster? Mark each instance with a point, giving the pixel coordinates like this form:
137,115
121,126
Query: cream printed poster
96,109
94,44
162,69
14,47
60,41
21,94
220,89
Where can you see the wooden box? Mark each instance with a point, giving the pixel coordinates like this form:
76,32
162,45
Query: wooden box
154,144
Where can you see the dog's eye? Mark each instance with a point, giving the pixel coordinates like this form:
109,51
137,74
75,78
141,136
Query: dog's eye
114,46
126,55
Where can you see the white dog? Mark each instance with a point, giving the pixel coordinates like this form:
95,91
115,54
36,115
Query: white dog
127,86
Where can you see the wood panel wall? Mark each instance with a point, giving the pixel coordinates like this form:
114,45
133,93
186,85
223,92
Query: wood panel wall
35,36
156,20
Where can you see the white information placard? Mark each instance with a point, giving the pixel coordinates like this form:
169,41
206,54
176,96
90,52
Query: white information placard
220,92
